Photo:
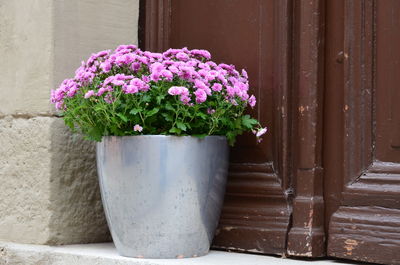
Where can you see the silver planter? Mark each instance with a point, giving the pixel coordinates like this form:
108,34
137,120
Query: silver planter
162,195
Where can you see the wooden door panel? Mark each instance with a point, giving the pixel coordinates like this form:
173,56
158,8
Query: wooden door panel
366,233
235,33
253,35
366,225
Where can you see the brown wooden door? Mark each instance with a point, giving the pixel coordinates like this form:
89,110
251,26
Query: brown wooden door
327,78
362,130
251,35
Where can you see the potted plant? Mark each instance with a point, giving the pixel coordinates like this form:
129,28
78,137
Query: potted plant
162,122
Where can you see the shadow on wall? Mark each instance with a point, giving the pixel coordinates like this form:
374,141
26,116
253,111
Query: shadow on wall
75,202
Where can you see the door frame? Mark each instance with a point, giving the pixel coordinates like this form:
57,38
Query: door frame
307,233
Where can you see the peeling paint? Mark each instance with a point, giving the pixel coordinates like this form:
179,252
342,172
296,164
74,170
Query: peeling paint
301,109
302,254
350,245
253,250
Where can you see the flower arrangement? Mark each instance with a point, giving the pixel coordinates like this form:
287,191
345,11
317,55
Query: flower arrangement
178,92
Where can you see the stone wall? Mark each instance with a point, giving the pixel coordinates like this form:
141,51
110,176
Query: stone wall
49,192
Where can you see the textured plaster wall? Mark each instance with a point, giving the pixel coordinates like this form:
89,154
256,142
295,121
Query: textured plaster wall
49,192
26,52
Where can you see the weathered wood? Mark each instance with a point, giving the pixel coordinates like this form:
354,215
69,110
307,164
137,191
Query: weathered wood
255,215
307,235
156,25
366,233
364,220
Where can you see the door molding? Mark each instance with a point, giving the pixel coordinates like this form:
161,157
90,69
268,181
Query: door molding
307,234
366,223
156,24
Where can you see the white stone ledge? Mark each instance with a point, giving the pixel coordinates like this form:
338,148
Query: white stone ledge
105,254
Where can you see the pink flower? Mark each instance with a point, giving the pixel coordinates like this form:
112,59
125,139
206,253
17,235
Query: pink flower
230,90
201,95
186,72
155,76
145,78
182,56
140,84
109,99
130,89
211,75
125,47
189,75
252,101
137,128
185,99
261,132
173,69
105,66
125,59
199,84
167,75
216,87
203,73
72,91
244,74
202,53
135,66
156,67
59,105
89,94
117,80
178,90
102,90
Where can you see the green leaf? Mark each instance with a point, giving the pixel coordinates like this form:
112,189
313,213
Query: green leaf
181,125
168,106
248,122
69,123
123,117
167,117
159,98
135,111
175,130
152,112
146,98
95,133
201,115
201,136
98,108
231,138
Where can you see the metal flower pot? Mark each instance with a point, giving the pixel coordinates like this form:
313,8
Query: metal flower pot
162,195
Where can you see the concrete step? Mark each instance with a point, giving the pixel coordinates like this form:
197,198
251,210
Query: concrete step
106,254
